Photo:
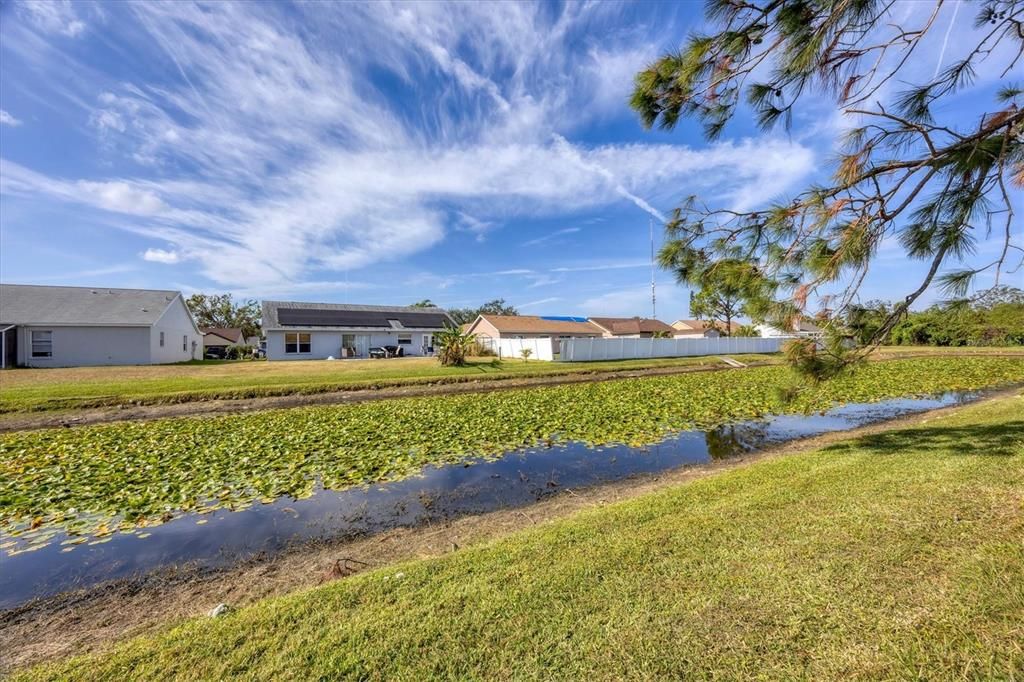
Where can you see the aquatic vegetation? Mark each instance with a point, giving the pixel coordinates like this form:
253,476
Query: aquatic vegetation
99,479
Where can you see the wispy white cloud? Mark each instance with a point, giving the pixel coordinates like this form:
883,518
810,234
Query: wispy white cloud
478,227
551,236
542,280
613,72
597,267
574,156
505,273
161,256
74,277
945,38
123,197
53,16
630,301
541,301
299,169
8,120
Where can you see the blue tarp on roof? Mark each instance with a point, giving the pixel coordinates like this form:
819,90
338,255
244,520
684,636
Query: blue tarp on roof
563,318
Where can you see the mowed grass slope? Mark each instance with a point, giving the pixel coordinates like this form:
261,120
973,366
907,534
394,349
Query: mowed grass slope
893,556
63,388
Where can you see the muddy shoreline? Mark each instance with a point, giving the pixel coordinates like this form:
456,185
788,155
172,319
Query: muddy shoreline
87,620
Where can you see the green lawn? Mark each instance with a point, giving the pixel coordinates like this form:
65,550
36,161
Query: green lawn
894,556
94,479
78,387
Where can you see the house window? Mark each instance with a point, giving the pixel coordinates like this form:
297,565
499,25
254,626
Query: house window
161,339
405,339
42,344
184,343
295,342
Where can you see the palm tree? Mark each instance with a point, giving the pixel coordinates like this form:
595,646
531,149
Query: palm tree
454,346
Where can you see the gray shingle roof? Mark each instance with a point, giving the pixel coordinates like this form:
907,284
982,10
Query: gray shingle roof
86,306
363,316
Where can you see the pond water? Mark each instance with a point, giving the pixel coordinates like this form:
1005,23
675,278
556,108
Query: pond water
440,493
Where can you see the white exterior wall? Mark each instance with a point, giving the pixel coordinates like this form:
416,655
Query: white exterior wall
541,348
769,332
87,346
582,350
324,344
176,324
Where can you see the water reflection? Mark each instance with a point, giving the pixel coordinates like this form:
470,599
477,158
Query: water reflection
733,439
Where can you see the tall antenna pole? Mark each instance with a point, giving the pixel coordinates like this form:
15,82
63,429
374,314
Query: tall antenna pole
654,306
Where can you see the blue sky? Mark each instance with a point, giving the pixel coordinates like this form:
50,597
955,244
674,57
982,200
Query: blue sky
377,153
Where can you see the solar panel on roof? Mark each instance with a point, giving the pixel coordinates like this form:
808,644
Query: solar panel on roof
313,317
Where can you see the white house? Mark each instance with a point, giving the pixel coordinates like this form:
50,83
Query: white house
701,329
316,331
491,330
45,326
801,329
631,327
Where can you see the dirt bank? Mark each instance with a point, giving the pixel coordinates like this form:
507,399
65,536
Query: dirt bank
89,620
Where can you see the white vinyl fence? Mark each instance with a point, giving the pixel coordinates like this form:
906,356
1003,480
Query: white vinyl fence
540,349
583,350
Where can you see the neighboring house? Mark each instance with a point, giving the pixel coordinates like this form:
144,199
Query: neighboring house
217,339
801,329
631,327
47,326
701,328
490,329
315,331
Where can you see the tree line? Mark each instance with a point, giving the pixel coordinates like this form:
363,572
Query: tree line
994,318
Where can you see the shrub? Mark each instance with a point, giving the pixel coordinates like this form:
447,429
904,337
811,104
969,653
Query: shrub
237,352
453,346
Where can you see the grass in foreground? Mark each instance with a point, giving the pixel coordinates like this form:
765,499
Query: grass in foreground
26,390
92,480
892,556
